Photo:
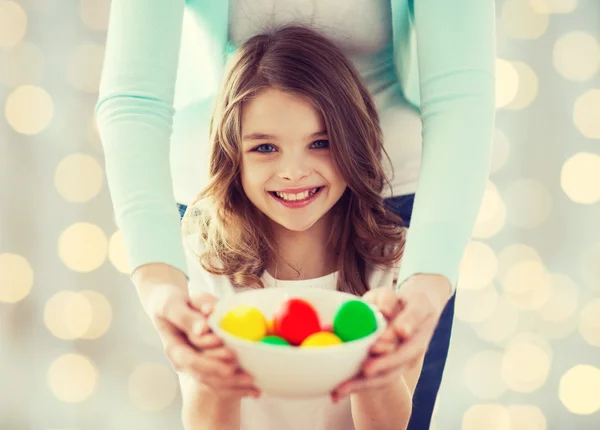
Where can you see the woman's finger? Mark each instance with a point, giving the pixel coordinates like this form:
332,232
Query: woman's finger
203,302
416,346
382,364
179,313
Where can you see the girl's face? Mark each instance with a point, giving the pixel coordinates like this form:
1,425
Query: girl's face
285,157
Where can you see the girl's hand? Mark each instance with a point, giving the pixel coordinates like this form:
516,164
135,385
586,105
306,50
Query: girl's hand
190,345
412,315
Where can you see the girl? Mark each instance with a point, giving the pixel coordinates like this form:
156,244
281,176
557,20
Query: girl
294,198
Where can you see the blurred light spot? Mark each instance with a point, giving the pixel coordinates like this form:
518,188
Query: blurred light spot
474,306
590,266
589,322
555,329
500,325
16,278
95,13
514,254
554,6
492,214
72,378
78,178
585,114
526,363
482,375
68,315
83,247
577,56
117,252
93,136
507,83
563,299
579,389
152,387
488,417
528,86
531,299
39,5
525,276
85,67
101,315
528,203
29,109
23,64
580,177
501,151
478,266
526,417
521,21
13,24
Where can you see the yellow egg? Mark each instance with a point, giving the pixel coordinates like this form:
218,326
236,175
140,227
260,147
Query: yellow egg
245,322
321,338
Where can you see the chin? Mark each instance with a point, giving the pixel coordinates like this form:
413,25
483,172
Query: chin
296,226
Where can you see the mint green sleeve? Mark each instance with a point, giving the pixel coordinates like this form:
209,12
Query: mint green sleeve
135,115
455,44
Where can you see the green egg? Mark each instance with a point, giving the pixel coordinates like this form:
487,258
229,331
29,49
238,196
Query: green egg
354,320
275,340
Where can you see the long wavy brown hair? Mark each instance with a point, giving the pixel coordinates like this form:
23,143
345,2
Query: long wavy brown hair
236,237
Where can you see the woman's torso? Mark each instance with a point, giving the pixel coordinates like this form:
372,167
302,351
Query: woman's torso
363,30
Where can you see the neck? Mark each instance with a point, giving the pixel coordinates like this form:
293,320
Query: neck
303,255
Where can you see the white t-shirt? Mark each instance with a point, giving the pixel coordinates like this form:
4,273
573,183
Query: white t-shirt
271,413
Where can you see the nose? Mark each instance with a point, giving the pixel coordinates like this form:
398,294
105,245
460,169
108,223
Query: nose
294,167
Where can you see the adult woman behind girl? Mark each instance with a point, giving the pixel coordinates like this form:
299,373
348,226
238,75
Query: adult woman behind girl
452,84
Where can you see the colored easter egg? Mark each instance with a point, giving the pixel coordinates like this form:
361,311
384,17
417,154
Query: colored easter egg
322,338
354,320
270,328
275,340
246,322
295,320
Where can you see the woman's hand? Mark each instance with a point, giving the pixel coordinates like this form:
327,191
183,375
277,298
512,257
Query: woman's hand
412,315
191,346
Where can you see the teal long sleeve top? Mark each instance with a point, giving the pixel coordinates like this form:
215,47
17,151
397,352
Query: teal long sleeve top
444,60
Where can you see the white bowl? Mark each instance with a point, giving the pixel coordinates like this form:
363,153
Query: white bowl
295,372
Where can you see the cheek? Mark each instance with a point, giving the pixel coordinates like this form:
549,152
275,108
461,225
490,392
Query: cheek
253,177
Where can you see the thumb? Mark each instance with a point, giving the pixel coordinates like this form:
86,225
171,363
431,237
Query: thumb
203,302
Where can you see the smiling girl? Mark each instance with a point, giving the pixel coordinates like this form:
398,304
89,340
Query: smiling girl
294,198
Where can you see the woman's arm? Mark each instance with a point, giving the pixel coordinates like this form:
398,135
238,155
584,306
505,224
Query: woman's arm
455,43
135,116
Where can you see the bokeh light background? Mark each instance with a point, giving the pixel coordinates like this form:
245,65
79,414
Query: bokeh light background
78,353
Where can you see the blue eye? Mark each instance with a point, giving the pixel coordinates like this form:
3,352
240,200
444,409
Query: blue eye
320,144
268,145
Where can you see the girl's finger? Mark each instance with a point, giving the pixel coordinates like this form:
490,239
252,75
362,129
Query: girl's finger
224,354
200,364
238,392
241,380
209,340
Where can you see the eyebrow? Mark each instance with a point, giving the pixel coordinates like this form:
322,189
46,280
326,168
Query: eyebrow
263,136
